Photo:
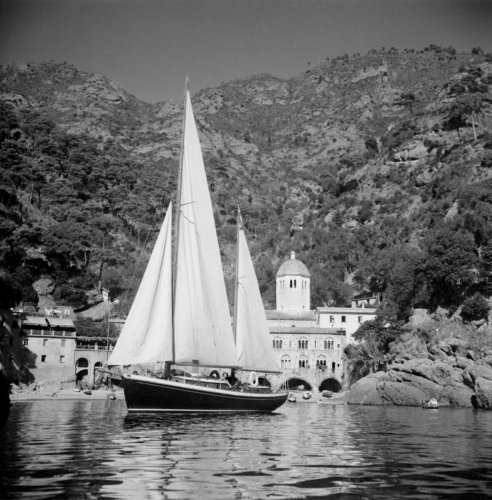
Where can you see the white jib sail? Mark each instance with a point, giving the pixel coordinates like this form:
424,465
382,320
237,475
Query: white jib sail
202,321
254,346
146,336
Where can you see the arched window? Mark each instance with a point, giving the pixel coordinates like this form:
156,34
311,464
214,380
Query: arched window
321,362
303,362
285,362
302,343
329,344
277,343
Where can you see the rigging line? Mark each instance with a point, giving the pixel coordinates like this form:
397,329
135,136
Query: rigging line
187,203
188,220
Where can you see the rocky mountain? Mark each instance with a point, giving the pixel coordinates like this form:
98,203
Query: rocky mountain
342,163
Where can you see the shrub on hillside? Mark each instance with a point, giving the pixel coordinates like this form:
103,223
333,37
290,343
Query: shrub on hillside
475,308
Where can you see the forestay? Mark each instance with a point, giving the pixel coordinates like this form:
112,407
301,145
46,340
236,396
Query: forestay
147,334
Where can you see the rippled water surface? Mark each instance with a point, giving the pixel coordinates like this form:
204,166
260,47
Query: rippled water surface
94,449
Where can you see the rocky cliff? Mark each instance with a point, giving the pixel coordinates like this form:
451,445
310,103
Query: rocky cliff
453,365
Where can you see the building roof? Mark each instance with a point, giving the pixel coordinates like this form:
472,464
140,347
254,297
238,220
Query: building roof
293,267
60,322
34,321
44,322
273,314
365,294
306,330
96,312
346,310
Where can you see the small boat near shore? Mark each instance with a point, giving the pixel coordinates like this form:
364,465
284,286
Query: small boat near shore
179,326
432,404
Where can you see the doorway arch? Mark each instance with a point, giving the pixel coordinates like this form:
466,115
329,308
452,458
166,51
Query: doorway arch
81,369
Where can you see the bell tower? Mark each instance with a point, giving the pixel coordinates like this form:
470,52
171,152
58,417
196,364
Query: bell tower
293,286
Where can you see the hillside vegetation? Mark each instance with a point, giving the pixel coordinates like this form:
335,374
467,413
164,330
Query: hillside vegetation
376,169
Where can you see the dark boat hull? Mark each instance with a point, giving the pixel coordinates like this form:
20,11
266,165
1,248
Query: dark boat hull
147,394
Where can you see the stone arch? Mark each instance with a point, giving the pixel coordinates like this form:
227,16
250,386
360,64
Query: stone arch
330,384
297,383
81,369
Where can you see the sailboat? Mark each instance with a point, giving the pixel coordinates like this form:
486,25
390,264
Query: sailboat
179,323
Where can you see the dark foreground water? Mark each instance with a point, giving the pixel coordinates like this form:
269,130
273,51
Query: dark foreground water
94,449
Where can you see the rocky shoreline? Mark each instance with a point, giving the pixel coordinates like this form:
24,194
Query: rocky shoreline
442,371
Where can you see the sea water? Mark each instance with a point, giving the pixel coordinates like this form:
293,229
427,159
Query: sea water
95,449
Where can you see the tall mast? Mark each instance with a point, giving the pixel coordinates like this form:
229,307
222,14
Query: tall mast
239,223
177,217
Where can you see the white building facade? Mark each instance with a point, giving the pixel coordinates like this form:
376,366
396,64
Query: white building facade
345,318
49,343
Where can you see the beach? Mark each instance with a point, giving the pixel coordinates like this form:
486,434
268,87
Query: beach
67,394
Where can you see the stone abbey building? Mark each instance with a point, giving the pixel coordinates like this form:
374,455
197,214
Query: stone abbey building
309,344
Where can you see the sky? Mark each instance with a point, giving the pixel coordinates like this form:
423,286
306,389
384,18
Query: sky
150,46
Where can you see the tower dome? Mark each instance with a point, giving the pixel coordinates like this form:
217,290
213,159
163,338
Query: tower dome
293,286
293,267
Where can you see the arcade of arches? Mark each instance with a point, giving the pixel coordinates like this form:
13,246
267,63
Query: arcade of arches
301,384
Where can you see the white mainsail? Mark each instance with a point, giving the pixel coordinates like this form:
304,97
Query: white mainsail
254,347
147,334
202,324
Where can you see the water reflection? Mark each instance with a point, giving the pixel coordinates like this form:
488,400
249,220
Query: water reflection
94,449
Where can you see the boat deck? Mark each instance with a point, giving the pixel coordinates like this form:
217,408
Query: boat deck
216,383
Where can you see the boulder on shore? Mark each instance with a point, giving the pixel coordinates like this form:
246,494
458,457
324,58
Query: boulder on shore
417,380
482,399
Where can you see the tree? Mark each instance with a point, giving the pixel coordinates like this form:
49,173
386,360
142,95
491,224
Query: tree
370,353
408,100
8,120
465,108
10,292
70,243
475,308
471,105
449,266
394,278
